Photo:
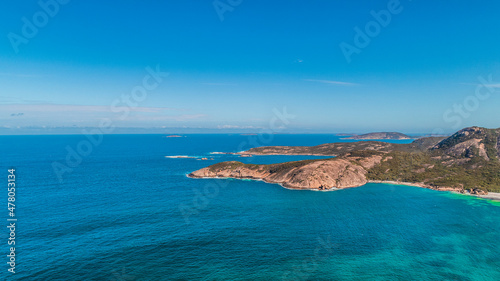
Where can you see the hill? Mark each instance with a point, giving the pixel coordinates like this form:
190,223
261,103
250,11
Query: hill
380,136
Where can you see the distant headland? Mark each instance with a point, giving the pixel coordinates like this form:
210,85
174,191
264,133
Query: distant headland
380,136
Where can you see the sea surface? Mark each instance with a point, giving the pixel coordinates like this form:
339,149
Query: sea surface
125,212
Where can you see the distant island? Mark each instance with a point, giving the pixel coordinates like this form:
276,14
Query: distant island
174,136
466,162
380,136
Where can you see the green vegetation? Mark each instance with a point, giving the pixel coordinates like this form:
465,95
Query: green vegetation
276,168
421,167
490,141
403,166
364,153
232,165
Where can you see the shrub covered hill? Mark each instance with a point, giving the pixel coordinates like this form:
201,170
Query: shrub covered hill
380,136
467,161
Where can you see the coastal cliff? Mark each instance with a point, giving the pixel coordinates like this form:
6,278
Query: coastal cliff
467,161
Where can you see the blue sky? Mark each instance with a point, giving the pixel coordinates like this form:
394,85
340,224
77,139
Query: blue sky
233,68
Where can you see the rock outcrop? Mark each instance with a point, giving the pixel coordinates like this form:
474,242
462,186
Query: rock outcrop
321,174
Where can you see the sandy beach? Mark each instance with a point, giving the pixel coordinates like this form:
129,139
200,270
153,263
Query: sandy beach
491,195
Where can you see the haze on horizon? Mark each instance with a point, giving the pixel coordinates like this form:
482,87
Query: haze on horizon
343,66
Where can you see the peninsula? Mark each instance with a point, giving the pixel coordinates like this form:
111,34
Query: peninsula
380,136
466,162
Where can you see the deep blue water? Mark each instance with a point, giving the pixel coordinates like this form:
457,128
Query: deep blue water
128,213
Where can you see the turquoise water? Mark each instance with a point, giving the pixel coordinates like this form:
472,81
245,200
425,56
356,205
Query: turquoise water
128,213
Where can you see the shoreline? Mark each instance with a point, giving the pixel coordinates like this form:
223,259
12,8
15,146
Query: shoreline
263,180
281,154
491,195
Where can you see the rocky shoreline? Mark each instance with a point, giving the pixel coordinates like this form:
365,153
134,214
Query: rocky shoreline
476,193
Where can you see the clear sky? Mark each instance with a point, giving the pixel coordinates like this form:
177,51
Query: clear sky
234,63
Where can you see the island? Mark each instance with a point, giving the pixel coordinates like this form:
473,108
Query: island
466,162
380,136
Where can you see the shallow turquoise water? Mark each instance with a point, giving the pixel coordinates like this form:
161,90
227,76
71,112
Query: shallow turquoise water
128,213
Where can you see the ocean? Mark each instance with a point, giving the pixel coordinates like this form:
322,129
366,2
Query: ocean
124,211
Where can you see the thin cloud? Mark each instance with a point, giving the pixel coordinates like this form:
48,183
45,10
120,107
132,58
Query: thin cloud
331,82
90,115
22,75
80,108
496,85
14,100
237,127
184,117
219,84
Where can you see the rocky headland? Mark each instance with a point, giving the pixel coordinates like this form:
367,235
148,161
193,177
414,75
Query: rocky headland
380,136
